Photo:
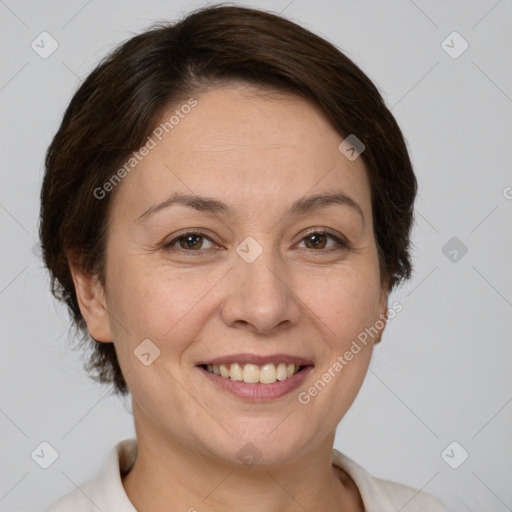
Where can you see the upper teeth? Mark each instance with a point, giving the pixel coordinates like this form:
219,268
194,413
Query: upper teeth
252,373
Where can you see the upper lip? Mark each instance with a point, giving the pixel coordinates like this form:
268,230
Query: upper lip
258,359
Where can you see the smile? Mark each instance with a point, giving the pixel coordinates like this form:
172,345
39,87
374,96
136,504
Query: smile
257,378
254,374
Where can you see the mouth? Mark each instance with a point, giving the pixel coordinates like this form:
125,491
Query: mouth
253,374
257,378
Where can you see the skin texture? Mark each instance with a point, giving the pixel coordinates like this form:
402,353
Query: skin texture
258,152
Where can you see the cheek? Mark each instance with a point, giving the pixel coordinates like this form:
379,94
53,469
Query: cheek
343,311
149,301
343,303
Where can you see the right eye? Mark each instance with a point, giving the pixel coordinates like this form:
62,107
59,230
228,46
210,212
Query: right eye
190,241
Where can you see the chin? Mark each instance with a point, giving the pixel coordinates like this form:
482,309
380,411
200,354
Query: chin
265,446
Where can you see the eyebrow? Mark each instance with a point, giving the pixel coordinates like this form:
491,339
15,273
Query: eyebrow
209,205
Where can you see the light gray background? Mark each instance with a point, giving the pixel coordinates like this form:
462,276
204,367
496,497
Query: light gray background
442,372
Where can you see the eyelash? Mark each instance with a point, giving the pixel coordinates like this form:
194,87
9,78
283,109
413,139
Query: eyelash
342,243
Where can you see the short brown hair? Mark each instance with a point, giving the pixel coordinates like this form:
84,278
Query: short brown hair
118,105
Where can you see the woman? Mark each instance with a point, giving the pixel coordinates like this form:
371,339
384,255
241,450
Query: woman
226,207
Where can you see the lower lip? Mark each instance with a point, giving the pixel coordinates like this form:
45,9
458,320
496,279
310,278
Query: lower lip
258,392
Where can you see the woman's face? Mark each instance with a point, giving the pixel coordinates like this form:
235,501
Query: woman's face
243,270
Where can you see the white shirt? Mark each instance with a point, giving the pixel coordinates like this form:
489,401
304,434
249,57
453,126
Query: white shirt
105,491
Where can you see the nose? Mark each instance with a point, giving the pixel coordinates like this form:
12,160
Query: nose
260,296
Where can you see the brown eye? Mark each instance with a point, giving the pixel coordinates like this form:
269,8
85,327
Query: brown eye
190,242
316,241
320,240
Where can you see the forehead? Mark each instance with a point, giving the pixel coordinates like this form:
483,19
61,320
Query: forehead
248,147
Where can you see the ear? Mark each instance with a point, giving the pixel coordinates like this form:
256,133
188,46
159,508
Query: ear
382,317
92,302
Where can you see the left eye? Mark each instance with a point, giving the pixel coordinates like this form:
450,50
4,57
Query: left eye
318,240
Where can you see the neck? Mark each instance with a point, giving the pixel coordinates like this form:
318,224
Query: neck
167,472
